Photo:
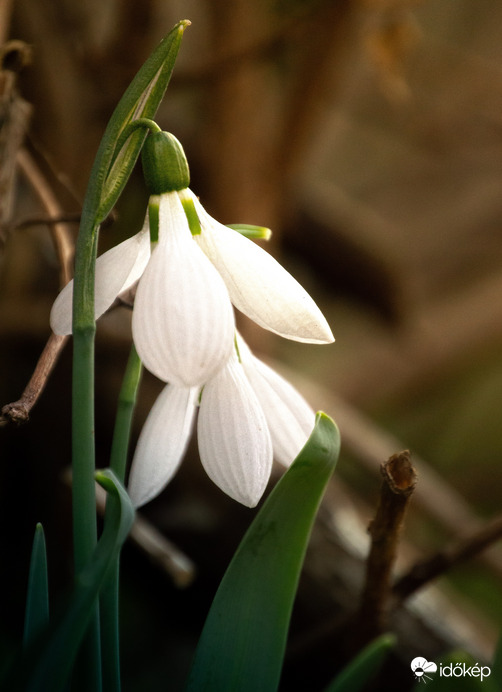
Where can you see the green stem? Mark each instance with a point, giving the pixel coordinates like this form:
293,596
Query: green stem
109,598
84,498
88,674
126,404
139,123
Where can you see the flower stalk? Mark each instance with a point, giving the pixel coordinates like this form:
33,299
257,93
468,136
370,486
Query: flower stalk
111,170
109,598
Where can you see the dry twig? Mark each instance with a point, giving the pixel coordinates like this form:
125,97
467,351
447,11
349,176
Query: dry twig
14,116
423,572
60,230
19,411
399,482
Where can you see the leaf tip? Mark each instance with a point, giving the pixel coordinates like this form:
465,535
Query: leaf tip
106,479
323,419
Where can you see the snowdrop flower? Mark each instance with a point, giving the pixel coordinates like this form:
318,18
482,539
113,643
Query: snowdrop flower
248,414
183,323
189,269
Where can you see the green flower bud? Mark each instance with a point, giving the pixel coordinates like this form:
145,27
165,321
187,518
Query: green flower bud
165,167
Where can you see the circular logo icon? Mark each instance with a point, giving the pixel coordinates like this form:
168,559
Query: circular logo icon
421,668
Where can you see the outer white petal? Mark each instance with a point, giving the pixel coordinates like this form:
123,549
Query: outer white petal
162,443
234,442
116,270
183,322
259,286
290,418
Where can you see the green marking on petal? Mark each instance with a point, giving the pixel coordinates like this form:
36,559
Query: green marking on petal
250,231
190,213
236,343
153,217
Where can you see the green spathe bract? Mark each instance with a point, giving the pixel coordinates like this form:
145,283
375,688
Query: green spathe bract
243,641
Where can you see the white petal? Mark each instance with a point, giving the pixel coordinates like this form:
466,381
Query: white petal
142,259
290,418
183,322
234,442
259,286
116,270
162,443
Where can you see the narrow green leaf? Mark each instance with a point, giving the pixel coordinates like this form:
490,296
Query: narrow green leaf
363,667
244,637
37,601
48,663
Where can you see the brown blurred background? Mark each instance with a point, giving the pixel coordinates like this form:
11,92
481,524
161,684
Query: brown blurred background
368,135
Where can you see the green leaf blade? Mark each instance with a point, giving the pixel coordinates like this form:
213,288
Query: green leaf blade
47,663
364,666
37,600
244,638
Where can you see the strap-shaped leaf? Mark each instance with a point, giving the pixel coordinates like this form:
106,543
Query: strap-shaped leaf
244,637
363,667
37,600
49,660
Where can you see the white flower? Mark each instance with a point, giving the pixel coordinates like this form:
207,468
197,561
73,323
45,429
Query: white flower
248,414
183,323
